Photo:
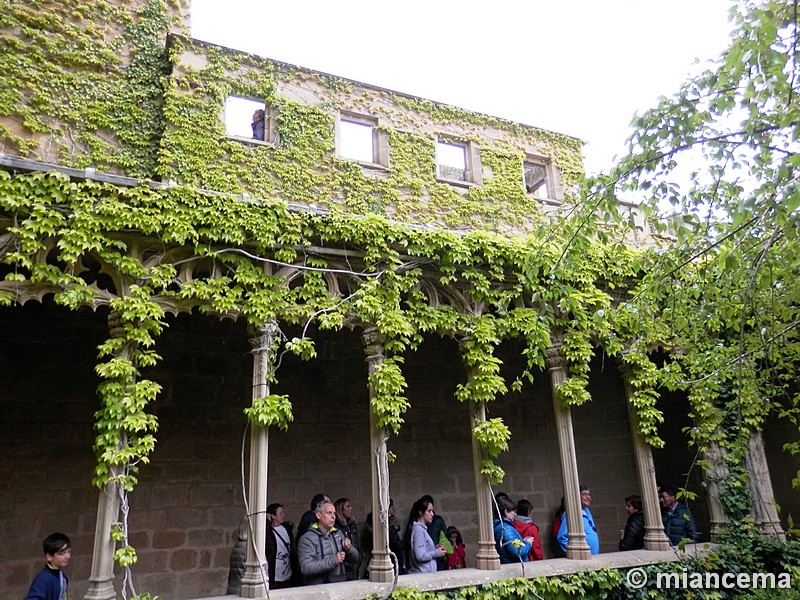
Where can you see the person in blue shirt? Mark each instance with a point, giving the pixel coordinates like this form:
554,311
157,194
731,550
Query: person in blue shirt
592,538
51,583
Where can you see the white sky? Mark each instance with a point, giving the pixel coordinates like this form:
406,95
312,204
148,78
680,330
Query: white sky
579,67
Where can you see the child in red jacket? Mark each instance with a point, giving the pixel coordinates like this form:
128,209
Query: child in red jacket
458,559
527,528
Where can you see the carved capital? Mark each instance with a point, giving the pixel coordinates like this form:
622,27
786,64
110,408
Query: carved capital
555,358
372,340
623,367
261,338
115,329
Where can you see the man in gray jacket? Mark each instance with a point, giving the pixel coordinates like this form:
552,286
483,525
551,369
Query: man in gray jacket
323,550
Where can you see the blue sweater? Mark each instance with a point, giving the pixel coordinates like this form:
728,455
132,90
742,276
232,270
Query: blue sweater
588,526
47,585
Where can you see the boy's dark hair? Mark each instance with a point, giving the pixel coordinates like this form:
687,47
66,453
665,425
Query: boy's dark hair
316,500
524,507
505,505
55,542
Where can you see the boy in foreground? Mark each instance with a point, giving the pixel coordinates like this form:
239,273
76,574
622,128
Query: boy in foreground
51,583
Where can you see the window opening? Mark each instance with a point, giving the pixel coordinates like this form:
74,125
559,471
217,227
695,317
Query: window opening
451,161
248,118
535,180
356,141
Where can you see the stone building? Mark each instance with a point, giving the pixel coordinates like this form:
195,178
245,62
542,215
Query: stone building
115,107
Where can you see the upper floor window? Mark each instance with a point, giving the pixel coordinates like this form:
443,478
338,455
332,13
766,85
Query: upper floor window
539,178
358,138
251,119
457,161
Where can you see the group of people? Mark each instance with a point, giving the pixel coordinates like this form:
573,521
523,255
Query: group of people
516,536
328,546
430,545
676,518
325,548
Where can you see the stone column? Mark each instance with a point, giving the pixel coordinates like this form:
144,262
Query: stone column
654,537
715,455
486,555
101,580
762,497
255,581
577,548
381,568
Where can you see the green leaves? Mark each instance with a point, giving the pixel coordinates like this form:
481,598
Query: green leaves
273,410
493,436
387,402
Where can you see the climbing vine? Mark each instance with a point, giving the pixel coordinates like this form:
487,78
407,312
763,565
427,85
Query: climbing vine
63,78
302,165
61,223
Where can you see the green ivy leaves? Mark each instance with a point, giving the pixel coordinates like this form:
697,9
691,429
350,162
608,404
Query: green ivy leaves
273,410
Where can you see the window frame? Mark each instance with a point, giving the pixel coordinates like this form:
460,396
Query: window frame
550,180
271,137
380,139
473,171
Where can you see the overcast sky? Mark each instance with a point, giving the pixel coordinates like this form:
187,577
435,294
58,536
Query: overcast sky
580,67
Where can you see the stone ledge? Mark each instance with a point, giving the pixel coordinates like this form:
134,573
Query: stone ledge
459,578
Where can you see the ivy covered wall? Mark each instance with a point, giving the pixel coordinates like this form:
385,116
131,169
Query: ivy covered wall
96,84
82,82
303,167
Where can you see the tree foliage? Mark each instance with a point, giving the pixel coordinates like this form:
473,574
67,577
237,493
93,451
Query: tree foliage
719,159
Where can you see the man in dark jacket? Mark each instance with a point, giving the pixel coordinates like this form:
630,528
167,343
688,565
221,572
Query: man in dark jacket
633,535
678,522
323,550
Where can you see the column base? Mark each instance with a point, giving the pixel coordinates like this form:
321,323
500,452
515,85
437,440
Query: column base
578,551
486,558
381,569
253,591
101,589
656,540
253,585
772,530
716,530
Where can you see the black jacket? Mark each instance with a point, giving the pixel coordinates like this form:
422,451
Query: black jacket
633,538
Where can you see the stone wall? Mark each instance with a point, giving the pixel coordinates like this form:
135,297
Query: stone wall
47,404
676,463
783,469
